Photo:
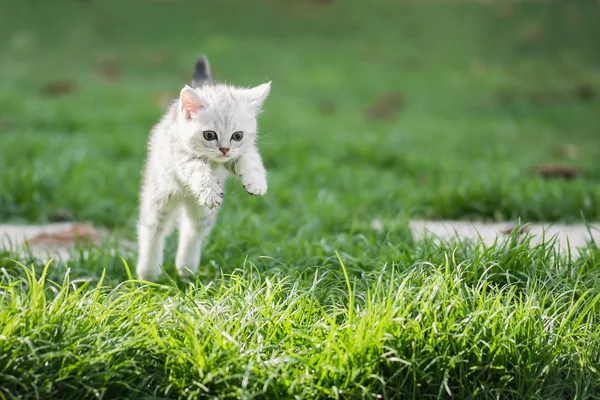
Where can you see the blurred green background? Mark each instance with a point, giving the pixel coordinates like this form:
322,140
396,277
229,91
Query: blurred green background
382,109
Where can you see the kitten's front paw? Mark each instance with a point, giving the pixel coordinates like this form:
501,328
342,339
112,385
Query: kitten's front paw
255,183
211,196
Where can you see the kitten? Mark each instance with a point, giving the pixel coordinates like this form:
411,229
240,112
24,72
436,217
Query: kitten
205,135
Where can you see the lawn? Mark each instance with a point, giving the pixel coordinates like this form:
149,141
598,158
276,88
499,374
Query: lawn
379,112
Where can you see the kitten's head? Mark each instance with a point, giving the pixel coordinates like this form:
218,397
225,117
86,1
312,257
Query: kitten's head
218,122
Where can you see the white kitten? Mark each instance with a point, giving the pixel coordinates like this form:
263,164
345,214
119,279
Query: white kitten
210,131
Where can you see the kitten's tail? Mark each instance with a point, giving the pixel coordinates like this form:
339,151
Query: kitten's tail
201,72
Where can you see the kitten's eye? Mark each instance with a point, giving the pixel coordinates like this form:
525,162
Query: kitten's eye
237,136
210,135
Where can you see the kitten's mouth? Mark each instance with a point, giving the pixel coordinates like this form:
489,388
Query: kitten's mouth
223,157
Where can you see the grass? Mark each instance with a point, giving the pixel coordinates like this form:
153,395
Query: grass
506,322
298,295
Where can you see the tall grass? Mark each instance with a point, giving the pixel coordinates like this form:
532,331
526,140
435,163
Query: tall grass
504,322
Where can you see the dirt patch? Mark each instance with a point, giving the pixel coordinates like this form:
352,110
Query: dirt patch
59,88
76,233
385,107
49,241
108,70
550,171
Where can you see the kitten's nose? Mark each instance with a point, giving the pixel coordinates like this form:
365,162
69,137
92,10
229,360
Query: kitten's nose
224,150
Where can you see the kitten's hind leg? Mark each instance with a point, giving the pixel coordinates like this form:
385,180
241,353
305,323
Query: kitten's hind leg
195,224
154,223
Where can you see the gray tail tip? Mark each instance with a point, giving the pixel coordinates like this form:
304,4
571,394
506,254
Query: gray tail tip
202,68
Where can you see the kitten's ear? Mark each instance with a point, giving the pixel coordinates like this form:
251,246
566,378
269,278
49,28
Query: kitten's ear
189,102
256,96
